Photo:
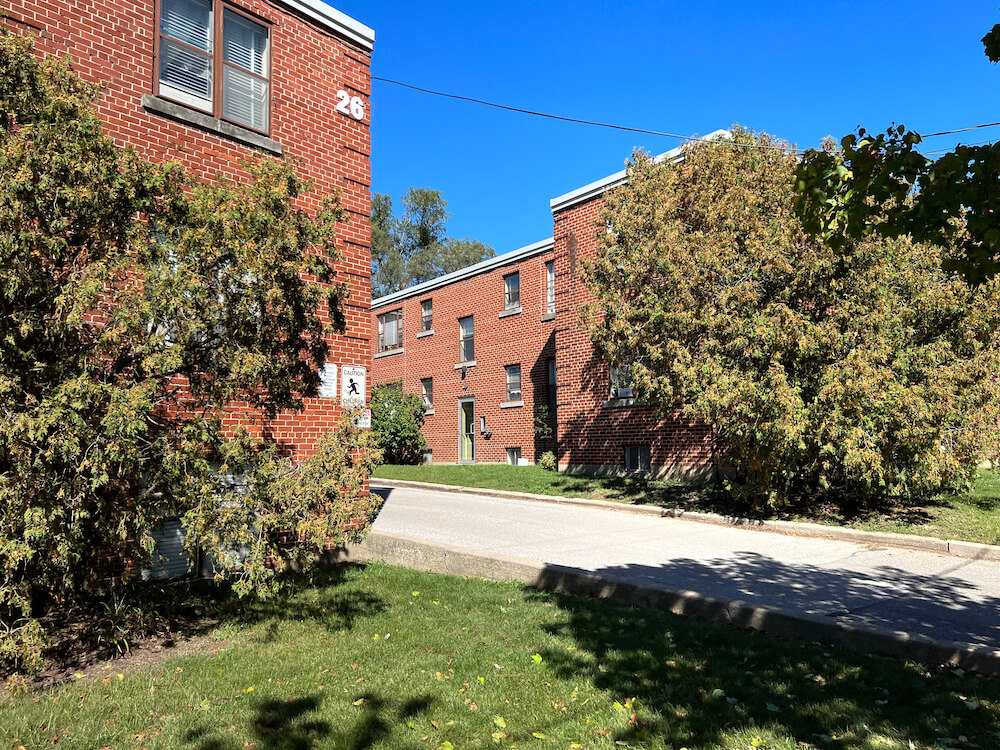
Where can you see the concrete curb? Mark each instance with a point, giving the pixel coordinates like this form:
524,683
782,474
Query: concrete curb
419,554
970,550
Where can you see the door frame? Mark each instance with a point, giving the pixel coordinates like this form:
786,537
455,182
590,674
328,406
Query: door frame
461,433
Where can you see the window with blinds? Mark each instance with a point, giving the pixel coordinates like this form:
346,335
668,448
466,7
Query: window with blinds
216,59
390,330
466,340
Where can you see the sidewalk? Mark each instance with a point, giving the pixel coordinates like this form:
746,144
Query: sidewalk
919,604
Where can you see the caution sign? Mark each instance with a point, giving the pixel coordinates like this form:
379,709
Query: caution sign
352,386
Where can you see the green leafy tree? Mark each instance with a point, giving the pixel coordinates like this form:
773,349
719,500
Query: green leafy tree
878,184
142,314
414,247
396,421
852,374
388,262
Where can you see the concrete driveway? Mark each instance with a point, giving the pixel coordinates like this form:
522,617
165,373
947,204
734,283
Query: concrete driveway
911,594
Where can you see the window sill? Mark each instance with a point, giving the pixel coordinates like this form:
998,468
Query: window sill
465,365
615,403
428,413
388,353
548,316
190,116
429,332
512,311
510,404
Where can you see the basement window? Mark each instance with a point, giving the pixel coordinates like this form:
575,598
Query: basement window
637,458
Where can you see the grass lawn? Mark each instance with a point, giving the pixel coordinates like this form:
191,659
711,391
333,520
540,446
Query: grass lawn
383,657
972,517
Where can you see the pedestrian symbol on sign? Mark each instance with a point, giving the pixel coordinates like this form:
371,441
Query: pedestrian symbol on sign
352,386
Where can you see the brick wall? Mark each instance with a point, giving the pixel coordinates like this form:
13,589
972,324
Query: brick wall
112,41
523,338
594,428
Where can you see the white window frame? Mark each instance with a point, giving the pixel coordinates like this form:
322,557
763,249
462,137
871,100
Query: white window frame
621,382
426,315
383,345
512,293
466,344
512,394
427,393
550,287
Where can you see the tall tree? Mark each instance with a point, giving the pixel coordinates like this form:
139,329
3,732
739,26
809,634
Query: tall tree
388,263
415,247
848,374
879,184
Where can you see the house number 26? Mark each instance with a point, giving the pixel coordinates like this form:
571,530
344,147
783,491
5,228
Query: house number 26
350,105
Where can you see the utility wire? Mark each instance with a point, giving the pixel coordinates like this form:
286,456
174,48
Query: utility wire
576,120
962,130
645,131
947,151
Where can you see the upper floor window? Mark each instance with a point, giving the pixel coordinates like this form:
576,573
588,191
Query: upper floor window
427,392
217,59
512,291
390,330
513,382
466,347
426,315
550,287
621,382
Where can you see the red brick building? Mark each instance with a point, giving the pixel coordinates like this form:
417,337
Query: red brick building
479,346
600,425
212,82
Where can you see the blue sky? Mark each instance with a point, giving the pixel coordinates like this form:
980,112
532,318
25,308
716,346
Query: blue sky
800,70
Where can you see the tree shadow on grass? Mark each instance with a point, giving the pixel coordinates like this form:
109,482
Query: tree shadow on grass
297,724
336,609
700,685
292,724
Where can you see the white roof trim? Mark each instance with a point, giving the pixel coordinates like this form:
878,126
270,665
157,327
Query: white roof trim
594,189
332,19
497,261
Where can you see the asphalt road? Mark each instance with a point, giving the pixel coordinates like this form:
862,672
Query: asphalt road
881,588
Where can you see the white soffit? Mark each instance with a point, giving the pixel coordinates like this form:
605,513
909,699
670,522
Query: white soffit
335,21
594,189
497,261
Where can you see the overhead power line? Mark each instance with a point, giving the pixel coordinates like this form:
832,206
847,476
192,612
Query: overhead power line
613,126
962,130
574,119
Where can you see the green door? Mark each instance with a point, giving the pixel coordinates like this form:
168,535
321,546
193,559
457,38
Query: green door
467,429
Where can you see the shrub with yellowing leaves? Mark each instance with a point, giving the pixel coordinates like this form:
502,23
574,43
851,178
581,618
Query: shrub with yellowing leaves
853,375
